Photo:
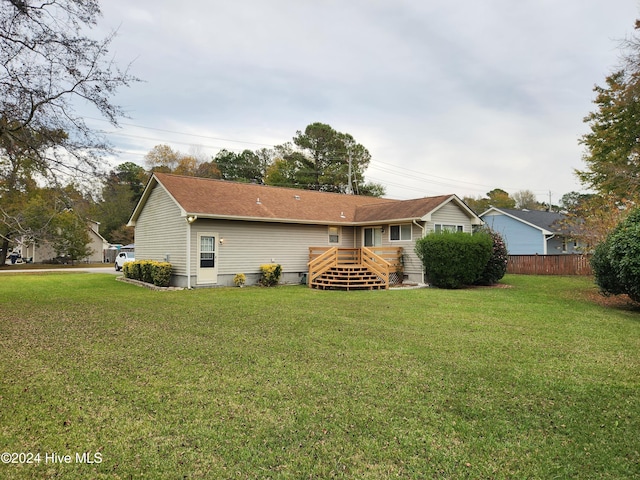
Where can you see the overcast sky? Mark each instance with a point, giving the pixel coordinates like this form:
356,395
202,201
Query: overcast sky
449,96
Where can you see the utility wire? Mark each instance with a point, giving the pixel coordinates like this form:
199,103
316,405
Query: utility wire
374,164
180,133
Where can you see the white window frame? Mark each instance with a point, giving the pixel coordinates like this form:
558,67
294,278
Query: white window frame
447,227
400,237
334,232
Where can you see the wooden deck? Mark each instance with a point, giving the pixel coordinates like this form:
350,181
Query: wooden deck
354,268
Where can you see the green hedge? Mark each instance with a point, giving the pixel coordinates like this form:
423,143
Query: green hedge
454,259
148,271
616,261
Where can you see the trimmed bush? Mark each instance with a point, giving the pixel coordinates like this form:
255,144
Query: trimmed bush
132,270
148,271
616,261
270,274
127,270
497,265
161,273
454,259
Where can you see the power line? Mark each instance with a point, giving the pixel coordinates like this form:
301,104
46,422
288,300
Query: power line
374,164
413,173
140,137
183,133
425,179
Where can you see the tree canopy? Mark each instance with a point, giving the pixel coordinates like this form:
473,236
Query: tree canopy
612,147
48,66
321,158
318,158
611,150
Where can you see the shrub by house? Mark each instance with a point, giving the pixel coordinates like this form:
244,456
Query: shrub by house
148,271
454,259
270,274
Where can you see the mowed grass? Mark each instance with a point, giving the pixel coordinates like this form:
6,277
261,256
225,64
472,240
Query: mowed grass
532,381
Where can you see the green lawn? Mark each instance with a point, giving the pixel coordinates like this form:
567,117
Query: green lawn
534,381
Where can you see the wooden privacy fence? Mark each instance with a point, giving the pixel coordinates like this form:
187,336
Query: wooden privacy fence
567,264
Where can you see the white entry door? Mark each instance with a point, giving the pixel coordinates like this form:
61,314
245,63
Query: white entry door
207,258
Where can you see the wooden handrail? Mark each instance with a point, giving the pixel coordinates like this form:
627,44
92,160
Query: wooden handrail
377,264
390,254
322,263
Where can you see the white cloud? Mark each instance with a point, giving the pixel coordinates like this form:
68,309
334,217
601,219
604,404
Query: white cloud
448,96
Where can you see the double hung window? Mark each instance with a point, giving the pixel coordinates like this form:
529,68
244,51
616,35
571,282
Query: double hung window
400,232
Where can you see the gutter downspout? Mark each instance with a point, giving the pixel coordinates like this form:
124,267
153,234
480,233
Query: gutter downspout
190,219
546,242
415,222
188,255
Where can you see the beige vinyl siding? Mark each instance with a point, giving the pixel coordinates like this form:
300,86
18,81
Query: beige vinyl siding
450,214
162,231
412,264
247,245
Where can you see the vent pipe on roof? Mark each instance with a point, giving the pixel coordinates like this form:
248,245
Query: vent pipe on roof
258,202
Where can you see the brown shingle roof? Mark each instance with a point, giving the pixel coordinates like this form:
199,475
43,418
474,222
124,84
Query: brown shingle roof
400,210
209,198
219,198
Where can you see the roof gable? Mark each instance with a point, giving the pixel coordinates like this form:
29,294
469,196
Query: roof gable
419,208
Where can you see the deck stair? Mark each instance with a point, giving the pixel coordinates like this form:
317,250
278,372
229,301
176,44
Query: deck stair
351,268
349,278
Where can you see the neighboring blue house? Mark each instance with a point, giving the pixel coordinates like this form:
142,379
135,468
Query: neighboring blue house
527,232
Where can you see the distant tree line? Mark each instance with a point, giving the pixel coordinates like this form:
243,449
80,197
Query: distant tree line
318,158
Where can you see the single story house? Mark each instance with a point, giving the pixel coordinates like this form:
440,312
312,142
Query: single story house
210,230
529,232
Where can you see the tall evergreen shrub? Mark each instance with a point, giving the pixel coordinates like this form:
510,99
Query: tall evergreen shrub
616,261
497,265
454,259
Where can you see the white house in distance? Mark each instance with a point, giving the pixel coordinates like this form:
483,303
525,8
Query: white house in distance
529,232
210,230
